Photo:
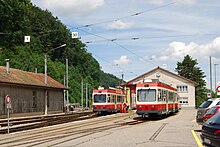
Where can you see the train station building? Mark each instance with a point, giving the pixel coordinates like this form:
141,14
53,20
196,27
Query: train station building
185,87
28,93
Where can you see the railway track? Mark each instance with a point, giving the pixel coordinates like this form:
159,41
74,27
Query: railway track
21,124
55,136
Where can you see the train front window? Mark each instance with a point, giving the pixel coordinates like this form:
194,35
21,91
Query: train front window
99,98
146,95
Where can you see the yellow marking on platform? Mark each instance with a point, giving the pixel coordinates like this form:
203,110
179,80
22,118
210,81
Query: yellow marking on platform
194,120
197,139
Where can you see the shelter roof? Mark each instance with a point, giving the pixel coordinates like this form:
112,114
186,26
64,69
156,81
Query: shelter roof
20,77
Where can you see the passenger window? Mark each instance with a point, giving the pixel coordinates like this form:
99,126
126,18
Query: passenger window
218,103
159,95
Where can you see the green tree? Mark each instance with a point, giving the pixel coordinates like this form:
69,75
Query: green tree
188,68
19,18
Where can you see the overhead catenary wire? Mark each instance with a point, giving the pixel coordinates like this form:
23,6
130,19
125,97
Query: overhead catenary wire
119,45
131,15
150,37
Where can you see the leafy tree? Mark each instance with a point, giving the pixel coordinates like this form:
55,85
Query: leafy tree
188,68
19,18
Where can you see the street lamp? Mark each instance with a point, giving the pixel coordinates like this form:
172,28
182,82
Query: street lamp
45,75
45,60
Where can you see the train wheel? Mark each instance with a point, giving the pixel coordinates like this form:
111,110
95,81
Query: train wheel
145,115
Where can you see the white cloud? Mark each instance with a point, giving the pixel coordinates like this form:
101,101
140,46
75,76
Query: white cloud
177,50
122,60
69,8
120,25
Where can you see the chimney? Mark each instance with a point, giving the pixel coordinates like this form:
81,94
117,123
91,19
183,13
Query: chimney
7,66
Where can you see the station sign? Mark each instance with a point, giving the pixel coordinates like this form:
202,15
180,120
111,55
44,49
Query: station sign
8,99
209,95
218,89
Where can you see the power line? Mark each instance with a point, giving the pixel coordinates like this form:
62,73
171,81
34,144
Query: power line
150,37
132,15
113,41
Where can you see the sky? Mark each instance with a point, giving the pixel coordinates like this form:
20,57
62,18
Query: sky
132,37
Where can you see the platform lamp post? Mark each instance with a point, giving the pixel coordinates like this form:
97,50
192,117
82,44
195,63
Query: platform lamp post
45,76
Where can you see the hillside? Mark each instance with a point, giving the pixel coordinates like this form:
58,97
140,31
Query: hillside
19,18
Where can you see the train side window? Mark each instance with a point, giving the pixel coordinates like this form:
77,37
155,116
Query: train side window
164,95
109,98
118,99
159,95
171,96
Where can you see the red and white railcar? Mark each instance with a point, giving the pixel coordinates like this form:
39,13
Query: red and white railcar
156,98
110,100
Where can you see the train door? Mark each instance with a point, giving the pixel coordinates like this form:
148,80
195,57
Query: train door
174,100
167,96
115,101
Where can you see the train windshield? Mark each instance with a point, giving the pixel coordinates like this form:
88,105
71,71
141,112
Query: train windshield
146,95
100,98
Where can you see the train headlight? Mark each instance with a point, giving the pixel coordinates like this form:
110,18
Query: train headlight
153,107
140,106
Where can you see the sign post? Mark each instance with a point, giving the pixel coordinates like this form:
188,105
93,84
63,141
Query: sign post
8,101
218,90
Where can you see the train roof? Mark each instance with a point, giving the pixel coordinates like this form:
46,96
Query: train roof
110,91
155,84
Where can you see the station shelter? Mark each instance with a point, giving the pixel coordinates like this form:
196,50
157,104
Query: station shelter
29,95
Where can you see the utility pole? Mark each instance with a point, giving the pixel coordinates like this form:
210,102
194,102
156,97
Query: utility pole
215,76
45,81
82,94
67,92
64,93
210,74
86,95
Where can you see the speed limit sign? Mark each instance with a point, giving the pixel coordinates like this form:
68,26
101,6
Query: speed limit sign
8,100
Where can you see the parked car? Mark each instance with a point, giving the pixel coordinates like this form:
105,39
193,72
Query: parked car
206,105
211,131
211,112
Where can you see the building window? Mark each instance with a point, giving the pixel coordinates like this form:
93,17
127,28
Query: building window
34,98
184,100
182,88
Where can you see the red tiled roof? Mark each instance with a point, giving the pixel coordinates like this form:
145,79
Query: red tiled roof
159,68
17,76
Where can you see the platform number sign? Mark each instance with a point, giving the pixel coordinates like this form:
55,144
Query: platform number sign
74,34
27,38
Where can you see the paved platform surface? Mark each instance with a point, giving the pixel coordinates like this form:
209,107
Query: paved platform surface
180,130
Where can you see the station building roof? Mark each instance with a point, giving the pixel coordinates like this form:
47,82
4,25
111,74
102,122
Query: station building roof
30,79
155,70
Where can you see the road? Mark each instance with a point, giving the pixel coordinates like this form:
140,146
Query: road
118,130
